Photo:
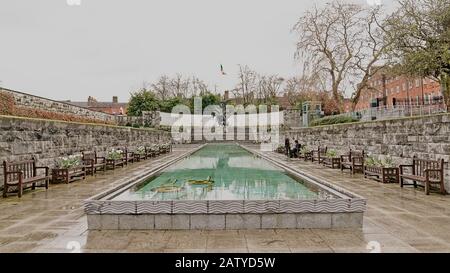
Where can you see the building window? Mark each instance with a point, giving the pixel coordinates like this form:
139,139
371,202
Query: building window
404,86
417,82
398,89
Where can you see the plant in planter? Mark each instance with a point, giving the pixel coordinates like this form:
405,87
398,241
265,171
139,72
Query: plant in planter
68,168
68,162
381,170
305,150
280,149
331,153
114,154
331,159
140,150
371,162
388,162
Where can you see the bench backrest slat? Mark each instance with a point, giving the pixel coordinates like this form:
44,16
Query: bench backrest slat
420,165
356,153
87,155
27,167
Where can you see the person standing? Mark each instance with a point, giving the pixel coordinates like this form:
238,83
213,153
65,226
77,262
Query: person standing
287,146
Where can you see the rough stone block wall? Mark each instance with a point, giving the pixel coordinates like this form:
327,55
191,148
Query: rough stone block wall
293,118
426,137
22,138
27,100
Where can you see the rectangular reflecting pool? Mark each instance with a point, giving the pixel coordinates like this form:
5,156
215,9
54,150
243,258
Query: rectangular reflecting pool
224,186
224,172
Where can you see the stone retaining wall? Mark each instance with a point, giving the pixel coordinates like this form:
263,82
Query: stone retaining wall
21,138
426,137
36,102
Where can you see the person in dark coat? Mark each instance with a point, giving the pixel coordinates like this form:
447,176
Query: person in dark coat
287,146
294,152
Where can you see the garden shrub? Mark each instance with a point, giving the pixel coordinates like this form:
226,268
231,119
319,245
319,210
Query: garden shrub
333,120
43,114
6,104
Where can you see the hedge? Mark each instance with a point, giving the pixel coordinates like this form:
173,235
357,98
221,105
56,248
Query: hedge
6,104
8,108
333,120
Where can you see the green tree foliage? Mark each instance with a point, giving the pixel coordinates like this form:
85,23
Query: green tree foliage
145,100
421,29
142,100
207,99
168,104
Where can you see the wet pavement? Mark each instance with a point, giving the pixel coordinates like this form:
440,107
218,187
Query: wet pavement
397,220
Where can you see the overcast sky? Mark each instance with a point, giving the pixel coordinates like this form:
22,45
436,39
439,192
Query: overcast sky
109,47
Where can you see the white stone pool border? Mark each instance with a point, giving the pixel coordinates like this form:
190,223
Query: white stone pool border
343,212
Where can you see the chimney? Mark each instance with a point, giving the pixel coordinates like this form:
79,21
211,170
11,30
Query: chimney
115,99
226,95
91,100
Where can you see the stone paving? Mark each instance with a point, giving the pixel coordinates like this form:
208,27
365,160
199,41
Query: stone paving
400,220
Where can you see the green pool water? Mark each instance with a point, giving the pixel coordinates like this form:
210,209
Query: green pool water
223,172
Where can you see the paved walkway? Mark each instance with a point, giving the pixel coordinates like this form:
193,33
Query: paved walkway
401,220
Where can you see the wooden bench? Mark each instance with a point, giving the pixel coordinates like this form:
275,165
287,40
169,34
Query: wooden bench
353,161
319,154
128,156
93,162
429,172
22,174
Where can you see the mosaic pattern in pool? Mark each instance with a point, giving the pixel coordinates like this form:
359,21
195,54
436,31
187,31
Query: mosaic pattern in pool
223,172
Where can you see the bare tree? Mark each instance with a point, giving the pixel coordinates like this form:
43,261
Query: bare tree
341,40
198,87
247,85
178,86
162,87
304,88
269,87
373,56
291,90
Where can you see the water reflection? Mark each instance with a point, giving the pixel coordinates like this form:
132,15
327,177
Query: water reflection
223,172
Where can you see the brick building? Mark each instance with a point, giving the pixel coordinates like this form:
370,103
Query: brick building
114,107
393,91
